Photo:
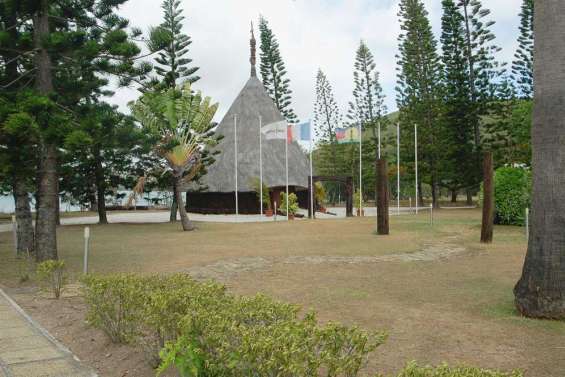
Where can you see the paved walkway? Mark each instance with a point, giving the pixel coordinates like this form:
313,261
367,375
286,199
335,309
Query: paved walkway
28,350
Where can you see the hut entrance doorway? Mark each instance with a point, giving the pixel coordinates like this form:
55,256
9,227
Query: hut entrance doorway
346,180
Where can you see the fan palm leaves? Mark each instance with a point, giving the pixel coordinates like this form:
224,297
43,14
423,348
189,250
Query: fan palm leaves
181,121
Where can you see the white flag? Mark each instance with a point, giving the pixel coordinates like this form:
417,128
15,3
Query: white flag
275,131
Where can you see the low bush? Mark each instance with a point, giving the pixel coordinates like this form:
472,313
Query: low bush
413,370
292,203
205,331
115,304
52,274
512,188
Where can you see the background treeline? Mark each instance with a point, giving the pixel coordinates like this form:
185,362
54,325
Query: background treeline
462,99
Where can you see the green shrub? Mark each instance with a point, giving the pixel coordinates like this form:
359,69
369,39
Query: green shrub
205,331
262,337
511,195
115,304
52,273
255,183
413,370
292,203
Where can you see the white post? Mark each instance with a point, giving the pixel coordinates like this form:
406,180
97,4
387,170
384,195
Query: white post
527,224
398,168
416,162
286,159
15,232
431,214
86,241
235,162
260,167
379,137
360,170
275,211
311,172
410,201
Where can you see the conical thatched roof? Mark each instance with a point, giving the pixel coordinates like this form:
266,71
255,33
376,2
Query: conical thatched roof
251,103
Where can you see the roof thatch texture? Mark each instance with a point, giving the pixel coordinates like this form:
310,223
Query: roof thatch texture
251,103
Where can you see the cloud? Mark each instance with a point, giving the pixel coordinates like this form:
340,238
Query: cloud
312,34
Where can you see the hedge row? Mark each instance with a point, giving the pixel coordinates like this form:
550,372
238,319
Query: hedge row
204,331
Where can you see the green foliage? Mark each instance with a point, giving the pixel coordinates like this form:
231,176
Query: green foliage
292,203
255,184
52,273
326,110
413,370
259,336
273,72
523,65
320,194
204,331
512,195
115,305
172,45
358,197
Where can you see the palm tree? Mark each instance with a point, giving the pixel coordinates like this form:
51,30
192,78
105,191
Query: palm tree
181,120
541,290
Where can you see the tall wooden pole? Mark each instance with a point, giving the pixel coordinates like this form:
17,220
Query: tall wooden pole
382,197
488,199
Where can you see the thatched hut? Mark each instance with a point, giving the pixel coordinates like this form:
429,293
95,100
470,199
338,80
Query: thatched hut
216,193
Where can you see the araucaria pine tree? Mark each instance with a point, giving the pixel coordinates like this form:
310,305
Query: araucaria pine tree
327,116
173,63
479,52
523,65
457,135
273,72
418,90
367,107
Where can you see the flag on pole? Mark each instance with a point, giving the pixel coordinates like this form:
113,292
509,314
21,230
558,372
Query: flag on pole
275,131
347,135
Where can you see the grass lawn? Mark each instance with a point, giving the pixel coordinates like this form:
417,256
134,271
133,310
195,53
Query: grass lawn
440,294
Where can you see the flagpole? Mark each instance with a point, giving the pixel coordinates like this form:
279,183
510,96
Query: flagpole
286,159
398,168
312,204
360,170
416,162
236,187
260,167
379,137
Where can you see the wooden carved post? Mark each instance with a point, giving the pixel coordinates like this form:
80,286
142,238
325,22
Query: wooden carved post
382,198
310,196
488,199
349,197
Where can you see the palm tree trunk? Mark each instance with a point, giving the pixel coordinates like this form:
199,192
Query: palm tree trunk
25,234
541,290
48,196
174,204
186,223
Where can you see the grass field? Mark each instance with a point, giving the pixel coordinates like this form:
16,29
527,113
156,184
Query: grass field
440,294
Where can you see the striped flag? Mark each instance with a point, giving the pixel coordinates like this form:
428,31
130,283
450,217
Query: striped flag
347,135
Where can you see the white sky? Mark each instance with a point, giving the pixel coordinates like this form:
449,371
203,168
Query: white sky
311,34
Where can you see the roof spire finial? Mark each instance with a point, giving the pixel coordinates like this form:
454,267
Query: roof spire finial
253,59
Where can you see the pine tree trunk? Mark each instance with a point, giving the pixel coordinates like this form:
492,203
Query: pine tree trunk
48,196
469,194
174,204
100,188
540,292
25,233
420,195
488,199
186,223
453,196
435,201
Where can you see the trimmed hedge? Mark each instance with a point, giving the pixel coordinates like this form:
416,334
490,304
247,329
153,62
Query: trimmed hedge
512,194
204,331
413,370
